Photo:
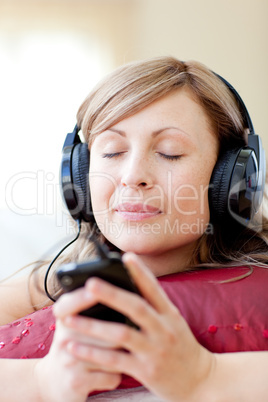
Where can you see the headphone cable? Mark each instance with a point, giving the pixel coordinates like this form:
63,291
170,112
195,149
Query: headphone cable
78,221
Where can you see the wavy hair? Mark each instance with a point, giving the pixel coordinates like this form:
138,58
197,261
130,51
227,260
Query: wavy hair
133,86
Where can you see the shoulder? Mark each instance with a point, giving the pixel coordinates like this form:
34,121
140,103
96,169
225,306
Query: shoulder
21,295
14,299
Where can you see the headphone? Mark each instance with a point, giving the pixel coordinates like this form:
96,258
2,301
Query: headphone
236,186
237,183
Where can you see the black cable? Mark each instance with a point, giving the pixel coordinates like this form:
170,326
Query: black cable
55,258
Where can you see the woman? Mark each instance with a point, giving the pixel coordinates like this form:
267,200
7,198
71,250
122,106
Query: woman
155,131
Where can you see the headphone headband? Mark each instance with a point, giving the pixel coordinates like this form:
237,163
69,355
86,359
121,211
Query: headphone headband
72,138
243,109
236,187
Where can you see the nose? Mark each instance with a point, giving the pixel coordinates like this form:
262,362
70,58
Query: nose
137,172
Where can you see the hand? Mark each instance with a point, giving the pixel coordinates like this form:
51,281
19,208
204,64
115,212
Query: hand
61,376
163,355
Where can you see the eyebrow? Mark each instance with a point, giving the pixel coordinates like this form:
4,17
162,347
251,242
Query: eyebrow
154,133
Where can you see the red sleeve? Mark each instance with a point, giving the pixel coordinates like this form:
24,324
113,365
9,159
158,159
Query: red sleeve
29,337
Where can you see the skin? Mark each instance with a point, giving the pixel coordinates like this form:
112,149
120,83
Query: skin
192,374
155,158
74,367
147,171
129,166
160,328
88,354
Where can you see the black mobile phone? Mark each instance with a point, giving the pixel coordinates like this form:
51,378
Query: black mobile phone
108,267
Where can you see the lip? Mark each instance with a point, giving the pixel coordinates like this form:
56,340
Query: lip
136,211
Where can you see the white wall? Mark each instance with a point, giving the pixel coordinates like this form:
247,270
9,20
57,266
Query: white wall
230,36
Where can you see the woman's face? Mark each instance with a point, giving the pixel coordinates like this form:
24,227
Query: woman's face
149,178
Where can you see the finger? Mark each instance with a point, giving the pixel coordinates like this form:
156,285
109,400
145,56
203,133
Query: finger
73,302
90,331
105,334
103,380
111,361
95,380
135,307
147,283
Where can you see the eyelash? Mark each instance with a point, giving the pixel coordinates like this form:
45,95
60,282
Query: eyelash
170,157
111,155
165,156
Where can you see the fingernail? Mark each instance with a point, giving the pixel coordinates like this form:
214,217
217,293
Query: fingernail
88,295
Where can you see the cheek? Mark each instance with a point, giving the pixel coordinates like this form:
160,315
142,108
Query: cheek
190,193
191,199
101,182
102,188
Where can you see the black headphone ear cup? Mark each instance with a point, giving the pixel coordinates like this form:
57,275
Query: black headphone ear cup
220,184
80,178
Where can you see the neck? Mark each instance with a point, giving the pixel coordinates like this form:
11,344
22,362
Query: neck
169,262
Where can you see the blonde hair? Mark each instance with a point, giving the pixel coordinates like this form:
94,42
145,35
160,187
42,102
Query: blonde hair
135,85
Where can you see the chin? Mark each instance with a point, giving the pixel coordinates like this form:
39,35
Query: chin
137,246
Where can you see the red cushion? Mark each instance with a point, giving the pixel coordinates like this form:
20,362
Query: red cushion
224,317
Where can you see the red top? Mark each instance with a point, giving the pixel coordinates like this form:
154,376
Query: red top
224,317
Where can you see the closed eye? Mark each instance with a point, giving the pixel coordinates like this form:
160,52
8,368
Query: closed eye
112,155
165,156
170,157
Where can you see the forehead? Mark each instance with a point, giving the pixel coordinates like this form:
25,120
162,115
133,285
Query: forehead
175,105
178,108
